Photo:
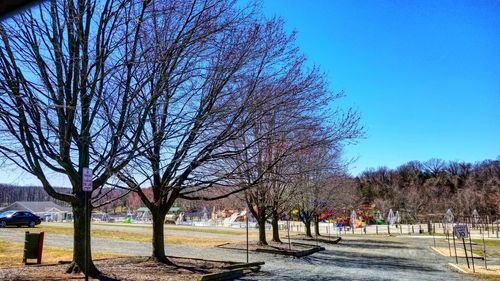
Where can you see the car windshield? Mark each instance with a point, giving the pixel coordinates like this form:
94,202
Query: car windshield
7,214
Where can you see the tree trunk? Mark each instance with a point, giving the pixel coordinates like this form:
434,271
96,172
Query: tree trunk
82,257
307,223
316,225
274,223
159,236
261,220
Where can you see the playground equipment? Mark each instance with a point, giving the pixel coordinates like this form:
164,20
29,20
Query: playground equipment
391,218
180,219
204,214
144,214
397,218
237,219
378,218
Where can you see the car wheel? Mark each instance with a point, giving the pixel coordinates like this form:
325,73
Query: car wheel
3,224
32,224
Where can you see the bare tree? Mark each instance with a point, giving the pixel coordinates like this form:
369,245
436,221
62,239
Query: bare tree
210,64
68,98
320,166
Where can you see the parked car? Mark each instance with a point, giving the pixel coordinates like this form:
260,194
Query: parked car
19,218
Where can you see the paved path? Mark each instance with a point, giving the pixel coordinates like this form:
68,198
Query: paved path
367,259
356,258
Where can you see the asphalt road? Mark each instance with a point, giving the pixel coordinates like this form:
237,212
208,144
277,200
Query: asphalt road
374,258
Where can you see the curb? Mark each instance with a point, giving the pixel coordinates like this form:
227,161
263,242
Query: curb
476,257
297,254
320,240
225,275
456,268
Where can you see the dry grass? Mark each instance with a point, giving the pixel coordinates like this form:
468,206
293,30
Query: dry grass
492,273
460,252
172,227
129,236
11,254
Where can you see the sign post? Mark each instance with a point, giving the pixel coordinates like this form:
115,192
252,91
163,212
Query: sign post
461,231
246,219
288,230
87,183
471,254
484,253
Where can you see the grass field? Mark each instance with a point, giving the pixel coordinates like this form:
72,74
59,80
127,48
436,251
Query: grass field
128,236
171,227
11,254
488,242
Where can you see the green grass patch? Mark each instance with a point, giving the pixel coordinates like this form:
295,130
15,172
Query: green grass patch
487,242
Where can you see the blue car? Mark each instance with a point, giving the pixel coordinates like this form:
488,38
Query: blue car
19,218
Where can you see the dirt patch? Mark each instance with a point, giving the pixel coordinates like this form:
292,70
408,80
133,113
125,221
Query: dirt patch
124,268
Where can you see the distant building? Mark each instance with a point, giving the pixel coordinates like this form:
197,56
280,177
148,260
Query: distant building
47,210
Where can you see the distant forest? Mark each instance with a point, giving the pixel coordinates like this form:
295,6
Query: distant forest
433,186
12,193
419,188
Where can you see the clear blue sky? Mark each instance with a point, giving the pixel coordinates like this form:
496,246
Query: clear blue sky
425,75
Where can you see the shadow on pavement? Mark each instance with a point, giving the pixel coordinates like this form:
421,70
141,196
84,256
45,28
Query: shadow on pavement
365,261
375,244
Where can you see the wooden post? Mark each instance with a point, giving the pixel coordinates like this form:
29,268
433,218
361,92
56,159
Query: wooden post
289,244
484,254
454,247
488,225
448,239
434,238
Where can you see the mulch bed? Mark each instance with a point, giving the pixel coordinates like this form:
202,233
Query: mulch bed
320,239
293,249
123,268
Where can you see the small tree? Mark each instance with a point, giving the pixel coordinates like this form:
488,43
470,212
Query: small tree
319,168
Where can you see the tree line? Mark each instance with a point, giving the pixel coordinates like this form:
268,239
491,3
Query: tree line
433,186
11,193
